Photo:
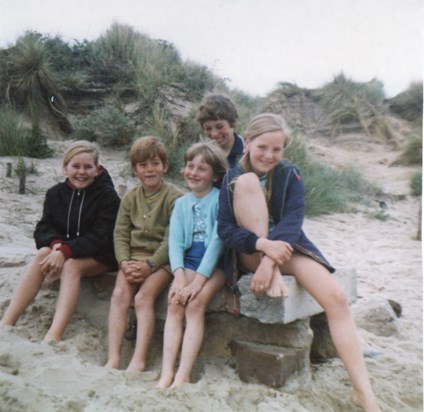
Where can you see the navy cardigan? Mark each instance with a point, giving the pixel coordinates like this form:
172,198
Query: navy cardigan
287,208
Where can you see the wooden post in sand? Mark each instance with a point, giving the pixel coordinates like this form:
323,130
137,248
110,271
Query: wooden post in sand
8,169
22,181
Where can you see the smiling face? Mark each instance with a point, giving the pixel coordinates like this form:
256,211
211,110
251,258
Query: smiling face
151,172
81,170
265,151
221,132
199,176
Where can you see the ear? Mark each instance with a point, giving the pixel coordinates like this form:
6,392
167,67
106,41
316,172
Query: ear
246,146
165,167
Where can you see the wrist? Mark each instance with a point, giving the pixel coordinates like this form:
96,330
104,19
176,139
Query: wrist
151,266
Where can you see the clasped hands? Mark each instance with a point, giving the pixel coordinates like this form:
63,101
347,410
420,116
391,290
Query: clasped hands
135,271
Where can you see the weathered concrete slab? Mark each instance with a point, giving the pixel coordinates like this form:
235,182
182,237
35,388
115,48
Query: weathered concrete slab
298,305
267,364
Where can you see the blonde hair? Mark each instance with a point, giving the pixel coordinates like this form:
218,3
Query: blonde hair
212,154
260,124
147,147
81,146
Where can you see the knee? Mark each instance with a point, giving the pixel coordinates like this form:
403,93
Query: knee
175,309
120,296
338,300
195,308
71,269
143,300
247,181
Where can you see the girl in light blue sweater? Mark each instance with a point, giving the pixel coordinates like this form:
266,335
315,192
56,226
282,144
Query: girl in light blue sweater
194,252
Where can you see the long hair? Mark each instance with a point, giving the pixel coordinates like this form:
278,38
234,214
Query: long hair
260,124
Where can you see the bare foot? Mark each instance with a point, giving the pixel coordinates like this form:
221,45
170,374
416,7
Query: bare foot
368,403
112,364
136,366
50,340
277,288
165,381
178,383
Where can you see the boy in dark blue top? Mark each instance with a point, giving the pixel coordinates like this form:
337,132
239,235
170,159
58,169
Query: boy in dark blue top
217,116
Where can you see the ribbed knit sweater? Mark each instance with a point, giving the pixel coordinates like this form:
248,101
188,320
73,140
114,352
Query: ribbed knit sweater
143,223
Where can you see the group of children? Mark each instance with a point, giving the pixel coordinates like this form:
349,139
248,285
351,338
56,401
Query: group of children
243,212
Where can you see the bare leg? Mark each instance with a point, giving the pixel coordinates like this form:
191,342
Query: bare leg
70,280
145,299
248,196
324,288
27,289
172,338
122,295
195,328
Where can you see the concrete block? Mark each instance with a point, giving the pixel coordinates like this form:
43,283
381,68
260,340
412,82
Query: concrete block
298,305
267,364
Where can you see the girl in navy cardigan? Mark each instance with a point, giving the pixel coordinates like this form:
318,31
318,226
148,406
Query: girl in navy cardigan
261,212
194,251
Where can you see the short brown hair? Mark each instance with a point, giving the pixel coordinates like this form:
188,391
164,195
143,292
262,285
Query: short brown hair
216,106
147,147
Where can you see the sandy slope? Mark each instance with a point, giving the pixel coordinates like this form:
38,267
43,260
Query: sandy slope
69,376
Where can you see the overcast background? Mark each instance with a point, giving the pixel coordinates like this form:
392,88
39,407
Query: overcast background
253,43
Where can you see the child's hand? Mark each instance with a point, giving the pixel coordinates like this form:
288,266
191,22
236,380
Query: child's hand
52,264
133,271
279,251
262,278
188,293
179,282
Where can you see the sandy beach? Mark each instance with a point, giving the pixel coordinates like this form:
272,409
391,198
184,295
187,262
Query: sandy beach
69,376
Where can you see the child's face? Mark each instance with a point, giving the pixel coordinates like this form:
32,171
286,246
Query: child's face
81,170
221,132
199,176
265,151
151,172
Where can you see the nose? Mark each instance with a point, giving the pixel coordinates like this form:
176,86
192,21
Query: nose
213,134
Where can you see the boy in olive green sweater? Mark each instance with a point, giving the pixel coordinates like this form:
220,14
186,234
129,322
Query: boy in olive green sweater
141,249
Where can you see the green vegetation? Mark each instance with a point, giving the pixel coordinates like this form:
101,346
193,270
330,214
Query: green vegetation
12,133
347,101
108,126
412,153
417,184
328,190
409,104
133,85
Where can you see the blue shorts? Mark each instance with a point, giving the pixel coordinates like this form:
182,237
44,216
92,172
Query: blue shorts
194,256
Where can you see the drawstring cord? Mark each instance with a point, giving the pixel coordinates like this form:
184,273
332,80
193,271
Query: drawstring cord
69,215
79,215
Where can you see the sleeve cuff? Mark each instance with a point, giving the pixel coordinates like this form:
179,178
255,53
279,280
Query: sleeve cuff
66,250
251,243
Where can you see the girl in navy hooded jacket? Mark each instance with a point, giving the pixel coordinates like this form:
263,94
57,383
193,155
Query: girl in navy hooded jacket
74,237
260,219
